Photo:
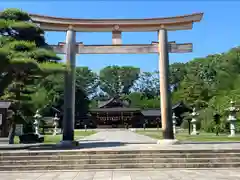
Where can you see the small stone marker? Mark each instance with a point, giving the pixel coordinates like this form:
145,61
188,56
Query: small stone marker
19,129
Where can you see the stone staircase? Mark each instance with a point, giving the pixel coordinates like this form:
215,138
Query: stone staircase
151,159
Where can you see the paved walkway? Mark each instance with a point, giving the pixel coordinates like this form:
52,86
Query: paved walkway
168,174
119,136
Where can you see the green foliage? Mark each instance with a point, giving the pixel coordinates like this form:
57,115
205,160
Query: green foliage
140,100
20,46
209,84
116,80
4,57
206,120
39,98
44,55
87,80
14,14
85,86
177,73
148,84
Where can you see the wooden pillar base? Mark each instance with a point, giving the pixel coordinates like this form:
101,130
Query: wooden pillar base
168,134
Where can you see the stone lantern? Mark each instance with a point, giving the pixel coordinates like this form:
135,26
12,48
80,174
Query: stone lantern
36,122
232,118
174,119
194,115
55,124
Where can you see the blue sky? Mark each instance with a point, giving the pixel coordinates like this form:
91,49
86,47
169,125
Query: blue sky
217,32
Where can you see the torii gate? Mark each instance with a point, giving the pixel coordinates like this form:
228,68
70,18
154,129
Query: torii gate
117,26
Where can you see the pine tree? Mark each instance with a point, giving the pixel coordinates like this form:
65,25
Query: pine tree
26,57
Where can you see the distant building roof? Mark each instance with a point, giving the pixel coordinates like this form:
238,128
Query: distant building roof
4,104
151,112
55,109
157,112
179,104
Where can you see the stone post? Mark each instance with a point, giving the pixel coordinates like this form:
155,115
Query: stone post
36,122
232,118
69,87
55,124
166,108
116,37
194,122
174,118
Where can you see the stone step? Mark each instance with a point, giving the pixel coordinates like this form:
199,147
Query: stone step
77,152
3,140
118,166
120,161
119,156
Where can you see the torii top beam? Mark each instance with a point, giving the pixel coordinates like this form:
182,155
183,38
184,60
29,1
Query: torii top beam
50,23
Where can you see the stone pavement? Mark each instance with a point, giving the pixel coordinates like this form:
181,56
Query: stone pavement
168,174
119,135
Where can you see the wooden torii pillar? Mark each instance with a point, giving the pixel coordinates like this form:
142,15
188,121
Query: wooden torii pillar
116,26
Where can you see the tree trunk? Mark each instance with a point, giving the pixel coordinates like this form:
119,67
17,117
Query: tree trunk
12,133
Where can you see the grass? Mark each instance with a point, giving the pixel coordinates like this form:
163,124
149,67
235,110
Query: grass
83,133
184,136
49,138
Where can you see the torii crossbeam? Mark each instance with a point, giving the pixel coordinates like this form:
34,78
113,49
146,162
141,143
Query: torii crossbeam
123,48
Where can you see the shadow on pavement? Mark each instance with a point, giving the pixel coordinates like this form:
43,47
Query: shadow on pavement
88,144
82,145
210,142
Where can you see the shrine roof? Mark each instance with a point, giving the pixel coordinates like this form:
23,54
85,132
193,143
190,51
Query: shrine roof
116,99
104,103
145,112
114,109
50,23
